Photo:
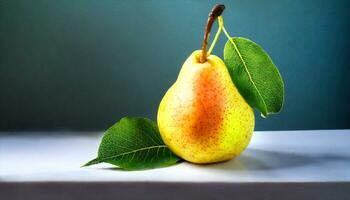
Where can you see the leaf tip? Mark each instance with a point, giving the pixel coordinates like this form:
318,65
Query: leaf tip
91,162
263,115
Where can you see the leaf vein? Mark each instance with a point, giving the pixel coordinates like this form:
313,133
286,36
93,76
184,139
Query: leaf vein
134,151
245,67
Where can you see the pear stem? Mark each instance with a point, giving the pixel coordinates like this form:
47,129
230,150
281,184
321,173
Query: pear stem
214,13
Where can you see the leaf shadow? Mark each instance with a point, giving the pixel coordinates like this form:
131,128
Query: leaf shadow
112,169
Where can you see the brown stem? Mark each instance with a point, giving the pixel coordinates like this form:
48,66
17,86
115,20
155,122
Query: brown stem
214,13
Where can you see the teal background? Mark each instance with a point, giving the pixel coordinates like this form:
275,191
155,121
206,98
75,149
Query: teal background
82,65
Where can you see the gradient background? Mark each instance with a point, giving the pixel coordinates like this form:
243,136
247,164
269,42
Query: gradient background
82,65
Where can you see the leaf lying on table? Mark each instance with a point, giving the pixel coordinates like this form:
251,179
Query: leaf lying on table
134,143
255,75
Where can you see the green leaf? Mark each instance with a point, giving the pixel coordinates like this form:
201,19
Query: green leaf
134,143
255,75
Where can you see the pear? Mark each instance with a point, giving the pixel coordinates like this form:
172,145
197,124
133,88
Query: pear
202,117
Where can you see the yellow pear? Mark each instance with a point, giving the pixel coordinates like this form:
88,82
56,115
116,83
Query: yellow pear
202,117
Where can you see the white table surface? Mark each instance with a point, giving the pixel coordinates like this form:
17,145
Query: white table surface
279,156
272,157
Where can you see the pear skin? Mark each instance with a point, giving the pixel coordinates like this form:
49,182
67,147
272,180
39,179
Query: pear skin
202,117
